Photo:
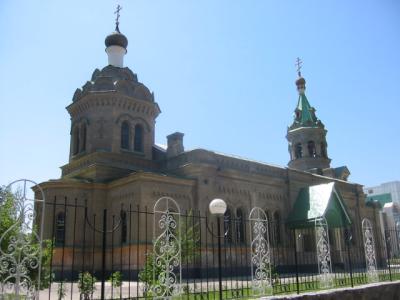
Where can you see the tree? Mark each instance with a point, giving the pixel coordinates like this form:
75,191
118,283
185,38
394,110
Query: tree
20,244
8,217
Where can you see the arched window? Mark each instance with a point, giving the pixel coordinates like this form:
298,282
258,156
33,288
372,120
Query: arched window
312,152
75,138
125,135
124,227
240,226
277,228
323,150
353,235
228,226
298,151
84,133
290,151
138,143
308,241
332,237
60,229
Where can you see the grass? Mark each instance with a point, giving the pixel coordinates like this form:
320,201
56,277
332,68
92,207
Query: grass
290,288
13,297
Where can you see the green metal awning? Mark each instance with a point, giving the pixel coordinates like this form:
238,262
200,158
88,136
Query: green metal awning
315,202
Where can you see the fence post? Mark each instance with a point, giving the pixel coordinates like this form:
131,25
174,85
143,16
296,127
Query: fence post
349,237
295,261
387,241
219,258
103,263
397,238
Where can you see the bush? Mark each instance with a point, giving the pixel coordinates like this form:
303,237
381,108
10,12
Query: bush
274,275
61,290
146,275
45,276
116,279
86,285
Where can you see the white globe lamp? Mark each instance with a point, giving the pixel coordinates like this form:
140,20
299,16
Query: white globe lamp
217,207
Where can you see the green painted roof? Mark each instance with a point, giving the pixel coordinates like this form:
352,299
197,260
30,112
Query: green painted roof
306,110
381,198
305,114
315,202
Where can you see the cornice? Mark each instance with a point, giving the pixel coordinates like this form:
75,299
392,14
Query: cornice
152,177
109,158
135,177
113,99
199,159
70,184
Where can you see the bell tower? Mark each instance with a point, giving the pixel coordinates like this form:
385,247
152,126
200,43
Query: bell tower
307,134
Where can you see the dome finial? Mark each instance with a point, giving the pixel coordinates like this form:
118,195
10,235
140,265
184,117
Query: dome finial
116,44
119,7
299,65
300,82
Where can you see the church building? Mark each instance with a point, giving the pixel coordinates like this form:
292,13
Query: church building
114,162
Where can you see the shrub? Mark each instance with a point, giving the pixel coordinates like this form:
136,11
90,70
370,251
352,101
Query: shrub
116,279
86,285
61,290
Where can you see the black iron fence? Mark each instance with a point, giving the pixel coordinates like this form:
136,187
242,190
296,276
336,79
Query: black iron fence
132,252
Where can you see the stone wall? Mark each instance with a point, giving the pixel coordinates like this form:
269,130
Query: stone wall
382,291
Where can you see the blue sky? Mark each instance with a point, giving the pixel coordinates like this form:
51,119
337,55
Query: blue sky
222,72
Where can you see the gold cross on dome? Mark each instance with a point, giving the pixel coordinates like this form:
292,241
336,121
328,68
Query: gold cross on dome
299,65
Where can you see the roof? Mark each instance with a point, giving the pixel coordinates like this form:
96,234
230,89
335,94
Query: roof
318,201
161,147
242,163
342,172
305,114
381,198
388,205
304,106
114,79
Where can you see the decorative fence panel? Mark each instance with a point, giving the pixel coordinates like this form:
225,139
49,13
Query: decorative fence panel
167,269
323,253
369,248
260,252
21,241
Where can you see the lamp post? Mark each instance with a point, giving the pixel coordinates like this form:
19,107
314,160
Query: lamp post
218,208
